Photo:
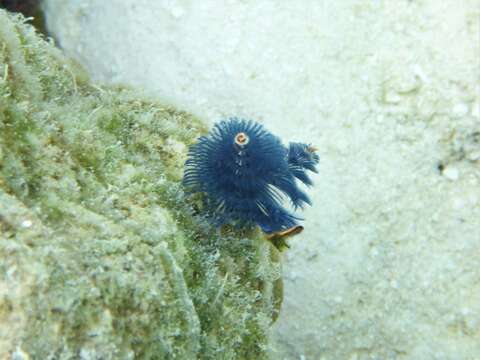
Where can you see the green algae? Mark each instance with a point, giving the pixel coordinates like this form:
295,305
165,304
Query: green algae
101,256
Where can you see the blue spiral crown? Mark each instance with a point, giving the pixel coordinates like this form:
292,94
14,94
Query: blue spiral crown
247,174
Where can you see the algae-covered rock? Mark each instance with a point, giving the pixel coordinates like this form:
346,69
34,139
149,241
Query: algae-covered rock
100,254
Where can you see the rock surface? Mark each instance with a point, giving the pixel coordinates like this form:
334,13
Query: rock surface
388,266
100,256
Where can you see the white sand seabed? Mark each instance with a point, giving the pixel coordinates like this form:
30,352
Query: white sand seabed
388,266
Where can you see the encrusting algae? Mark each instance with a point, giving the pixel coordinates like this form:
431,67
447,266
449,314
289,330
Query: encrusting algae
101,257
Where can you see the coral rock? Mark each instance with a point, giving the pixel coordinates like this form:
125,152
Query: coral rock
100,256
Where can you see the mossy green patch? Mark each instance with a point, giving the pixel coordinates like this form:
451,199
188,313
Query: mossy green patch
101,254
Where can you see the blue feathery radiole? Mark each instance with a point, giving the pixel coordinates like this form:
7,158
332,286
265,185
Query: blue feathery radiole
246,174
